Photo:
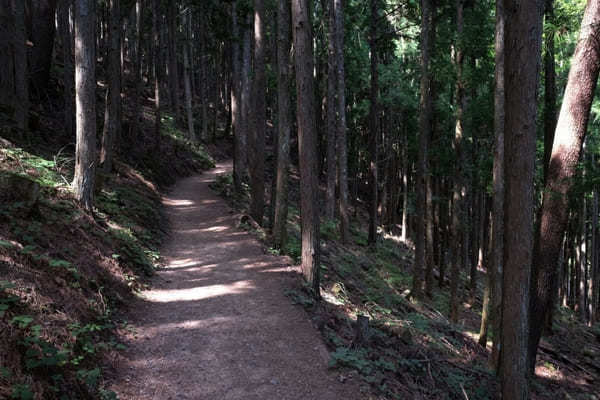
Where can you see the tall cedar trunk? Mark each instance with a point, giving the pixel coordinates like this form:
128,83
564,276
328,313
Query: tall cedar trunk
156,69
497,258
259,115
459,212
42,36
85,100
307,143
485,311
246,83
331,114
203,73
189,110
594,282
284,123
137,72
112,123
582,263
172,10
6,40
342,147
405,164
373,127
236,107
425,110
522,68
20,54
64,26
549,87
566,149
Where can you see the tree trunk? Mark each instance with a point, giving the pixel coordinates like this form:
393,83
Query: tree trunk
425,110
373,127
594,280
112,122
284,123
522,68
137,73
342,148
245,106
459,212
497,258
566,149
172,10
331,114
20,54
156,69
236,106
187,26
259,114
307,143
42,36
85,93
64,26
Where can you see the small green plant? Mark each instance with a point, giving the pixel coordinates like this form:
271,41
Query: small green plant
300,298
356,359
21,391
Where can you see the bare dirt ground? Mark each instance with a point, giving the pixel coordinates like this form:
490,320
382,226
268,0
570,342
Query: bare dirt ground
217,324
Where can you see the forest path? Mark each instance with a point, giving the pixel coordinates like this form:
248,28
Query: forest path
216,324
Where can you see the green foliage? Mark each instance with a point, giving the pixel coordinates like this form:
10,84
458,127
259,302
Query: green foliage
329,230
21,392
356,359
300,298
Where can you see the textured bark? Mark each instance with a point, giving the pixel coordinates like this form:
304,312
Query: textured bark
342,147
64,26
307,143
7,83
331,115
594,273
137,72
425,110
172,11
522,67
566,150
284,123
459,233
497,250
85,100
405,187
373,127
112,120
259,116
189,110
20,54
156,69
246,84
549,88
236,107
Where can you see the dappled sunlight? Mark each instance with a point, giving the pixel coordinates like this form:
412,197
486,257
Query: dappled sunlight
178,203
197,293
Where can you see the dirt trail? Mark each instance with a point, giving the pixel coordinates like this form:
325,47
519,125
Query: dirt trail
217,324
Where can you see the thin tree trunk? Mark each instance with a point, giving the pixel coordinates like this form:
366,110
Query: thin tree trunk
307,143
20,56
156,70
236,106
245,106
523,48
405,165
259,114
331,114
187,26
284,123
425,110
64,26
569,137
497,259
594,280
85,93
172,10
112,122
342,147
549,87
137,73
373,127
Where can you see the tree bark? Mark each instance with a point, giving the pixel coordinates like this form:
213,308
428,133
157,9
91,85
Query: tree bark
187,26
284,123
331,114
373,127
342,147
566,149
259,114
20,57
156,69
64,26
172,10
85,94
246,84
522,67
112,121
425,110
137,72
307,143
549,87
42,36
236,107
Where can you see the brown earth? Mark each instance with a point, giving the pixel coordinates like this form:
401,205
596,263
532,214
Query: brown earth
217,324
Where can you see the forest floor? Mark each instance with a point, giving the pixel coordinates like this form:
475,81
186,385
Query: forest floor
216,323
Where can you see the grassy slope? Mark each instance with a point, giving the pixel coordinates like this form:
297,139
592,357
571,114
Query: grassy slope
414,351
64,272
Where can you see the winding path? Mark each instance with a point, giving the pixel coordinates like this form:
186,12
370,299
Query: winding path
216,324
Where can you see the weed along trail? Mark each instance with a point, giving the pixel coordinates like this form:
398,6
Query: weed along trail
216,323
